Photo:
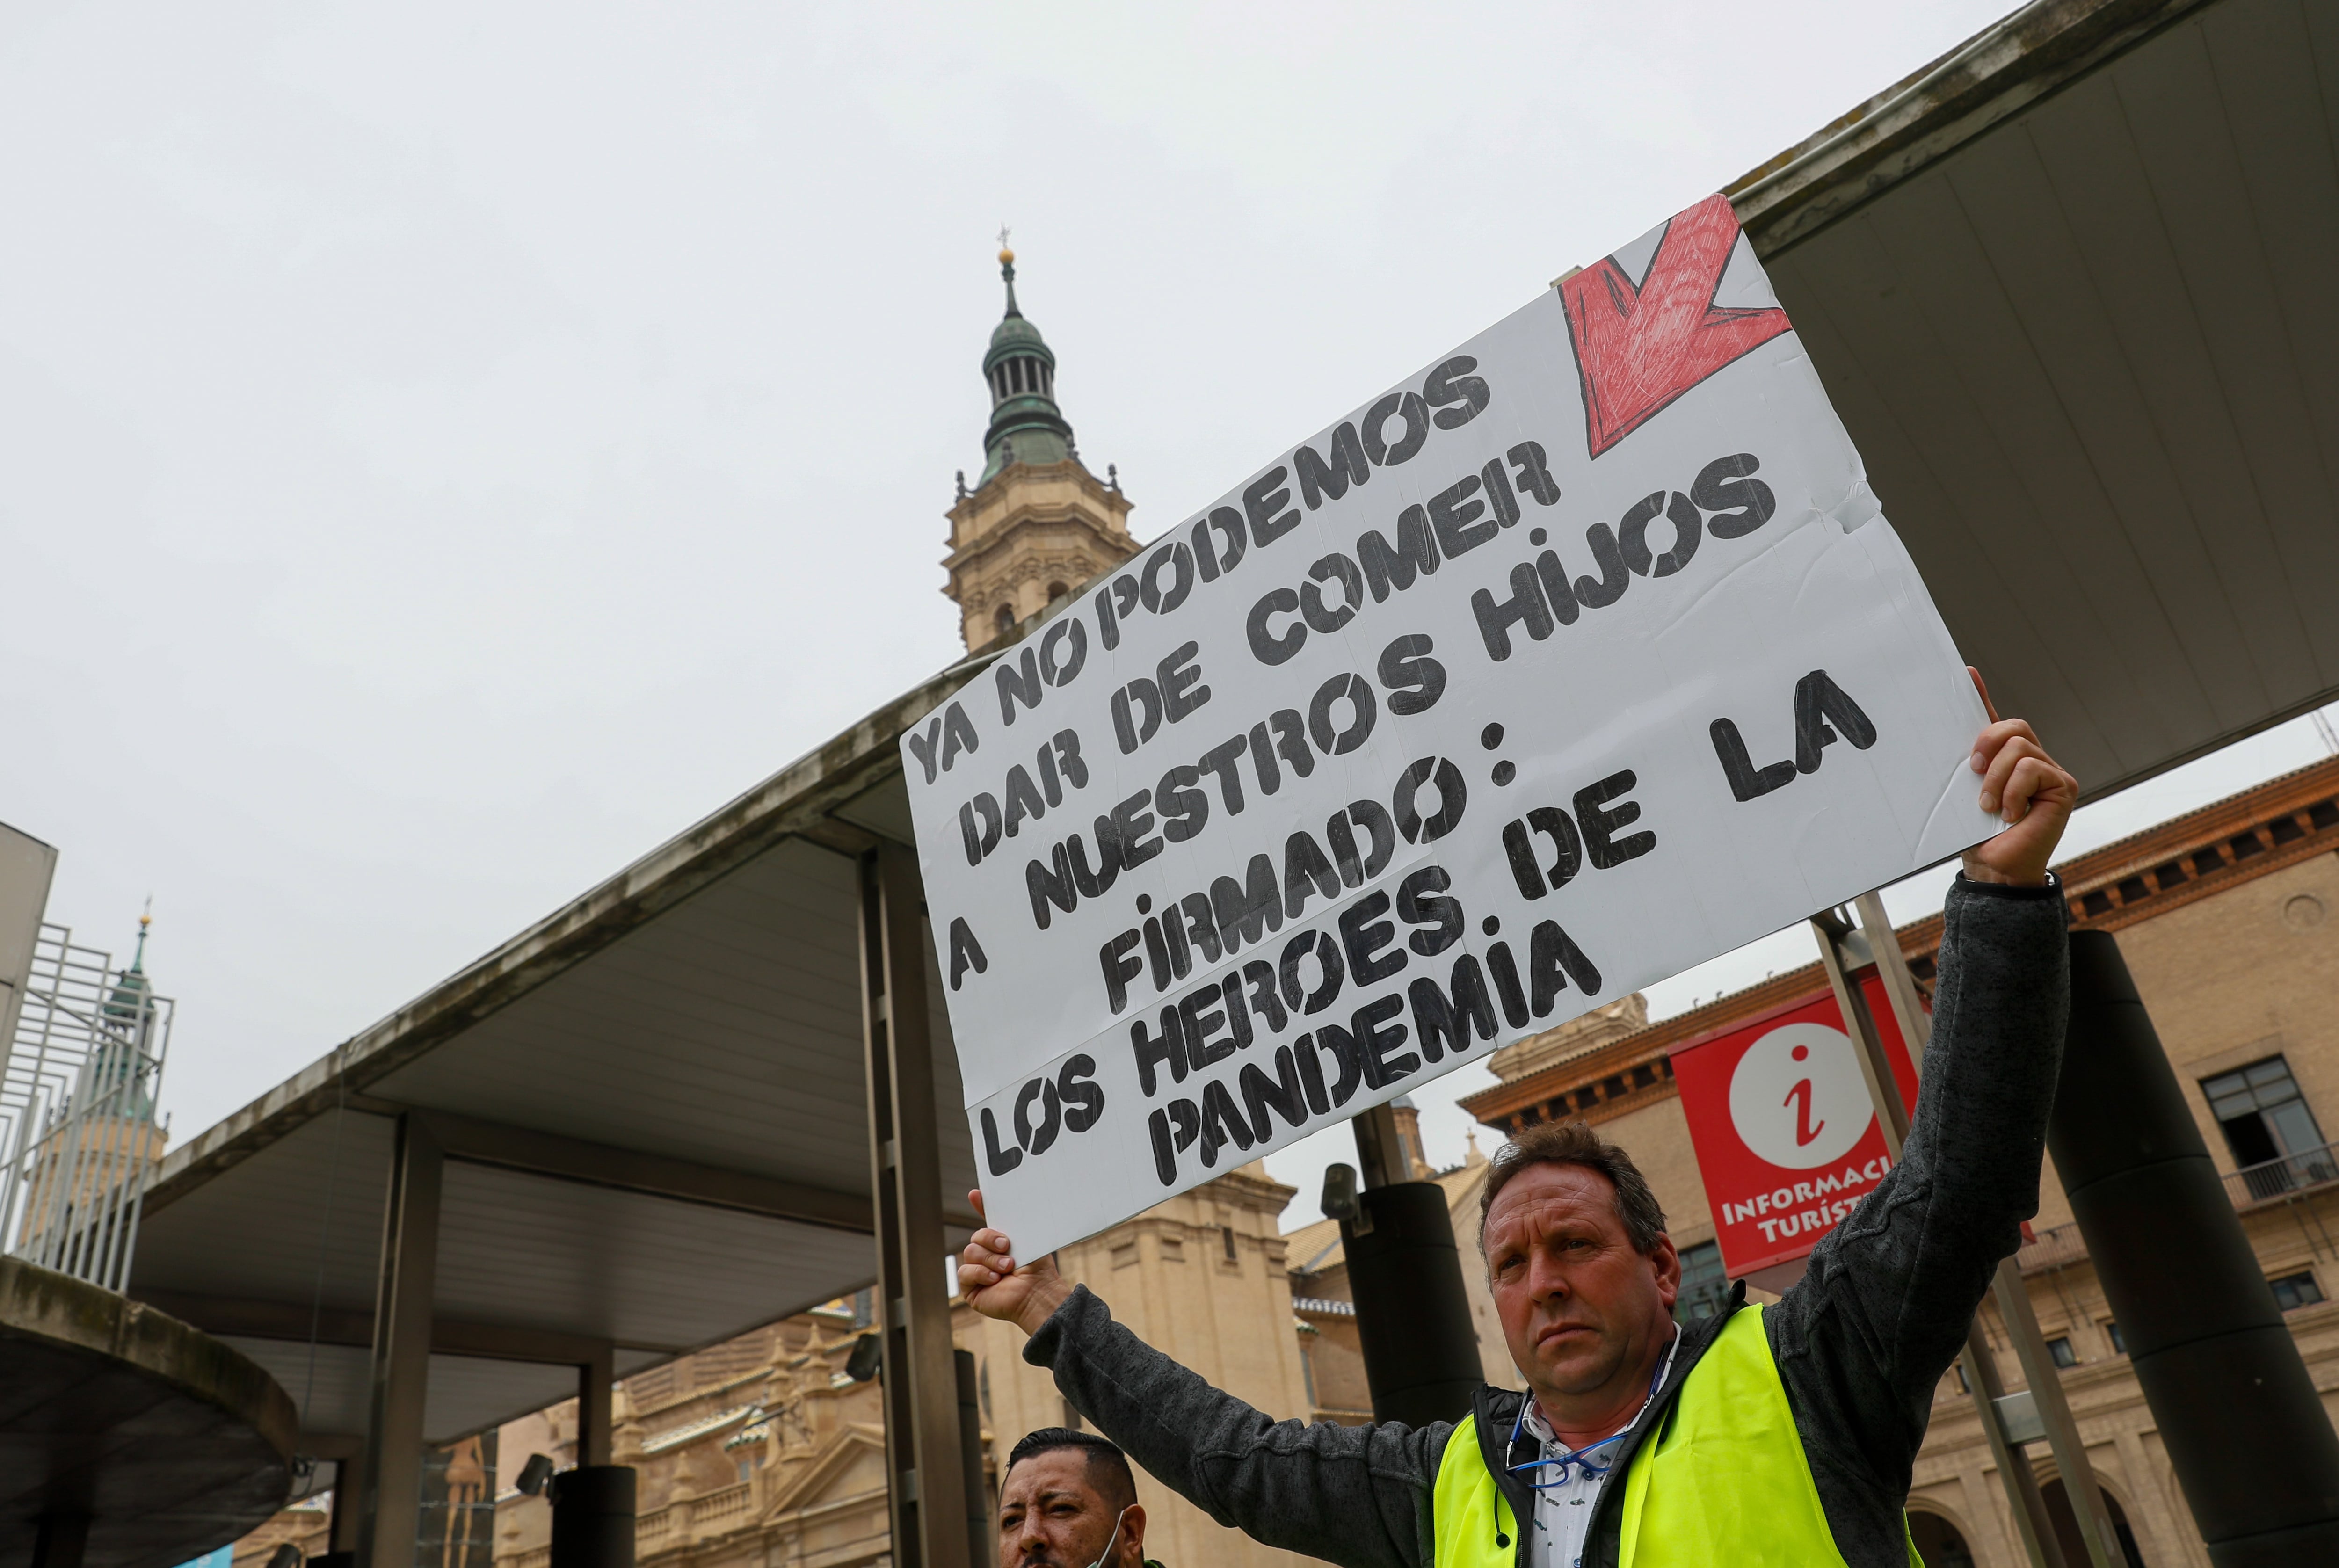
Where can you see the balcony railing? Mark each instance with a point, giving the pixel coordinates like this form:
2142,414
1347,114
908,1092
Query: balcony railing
2057,1247
2291,1178
689,1520
2288,1177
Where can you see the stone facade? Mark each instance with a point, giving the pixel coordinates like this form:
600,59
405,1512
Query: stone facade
757,1451
305,1524
1030,536
2226,919
762,1450
1604,1025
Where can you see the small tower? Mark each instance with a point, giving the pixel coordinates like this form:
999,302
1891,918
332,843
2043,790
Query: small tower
1038,524
123,1070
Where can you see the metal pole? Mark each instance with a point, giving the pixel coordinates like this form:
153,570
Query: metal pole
391,1504
1892,969
341,1531
1844,952
2036,1525
926,1477
2032,1524
20,1161
1380,1152
2062,1430
970,1439
2039,1368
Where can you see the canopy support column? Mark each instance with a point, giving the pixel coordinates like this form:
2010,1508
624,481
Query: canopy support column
391,1504
341,1529
595,1389
926,1476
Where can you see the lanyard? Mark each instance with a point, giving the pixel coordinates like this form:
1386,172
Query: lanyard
1582,1458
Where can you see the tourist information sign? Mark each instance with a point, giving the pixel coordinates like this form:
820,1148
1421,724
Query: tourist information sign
1787,1141
1578,657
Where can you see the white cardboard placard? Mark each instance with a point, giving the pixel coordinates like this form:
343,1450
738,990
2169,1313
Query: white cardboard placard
1568,663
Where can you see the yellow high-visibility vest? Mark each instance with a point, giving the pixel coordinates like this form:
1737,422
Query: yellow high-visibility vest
1724,1482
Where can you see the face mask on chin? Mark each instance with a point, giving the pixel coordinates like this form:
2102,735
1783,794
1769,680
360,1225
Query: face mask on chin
1113,1537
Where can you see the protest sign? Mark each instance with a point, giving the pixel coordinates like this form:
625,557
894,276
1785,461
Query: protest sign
1576,658
1786,1135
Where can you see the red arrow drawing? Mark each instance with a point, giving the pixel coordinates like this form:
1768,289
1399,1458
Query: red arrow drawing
1637,349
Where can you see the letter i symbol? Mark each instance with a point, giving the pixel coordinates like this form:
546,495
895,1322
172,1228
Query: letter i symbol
1800,1097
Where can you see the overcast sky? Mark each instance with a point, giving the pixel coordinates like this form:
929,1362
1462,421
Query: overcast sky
445,450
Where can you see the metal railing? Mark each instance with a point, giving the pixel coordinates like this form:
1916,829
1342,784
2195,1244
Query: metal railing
2290,1178
2287,1177
79,1128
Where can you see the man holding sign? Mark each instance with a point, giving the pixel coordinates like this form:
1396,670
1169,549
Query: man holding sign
1773,1436
1572,660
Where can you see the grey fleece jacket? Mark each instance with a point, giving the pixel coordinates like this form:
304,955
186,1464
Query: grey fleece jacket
1881,1312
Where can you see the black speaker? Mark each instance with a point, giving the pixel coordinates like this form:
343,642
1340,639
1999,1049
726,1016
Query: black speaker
593,1517
1413,1314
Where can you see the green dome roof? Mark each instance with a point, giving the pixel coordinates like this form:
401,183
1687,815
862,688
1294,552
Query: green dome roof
1026,426
1015,332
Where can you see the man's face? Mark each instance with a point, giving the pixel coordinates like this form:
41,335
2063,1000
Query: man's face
1578,1303
1050,1515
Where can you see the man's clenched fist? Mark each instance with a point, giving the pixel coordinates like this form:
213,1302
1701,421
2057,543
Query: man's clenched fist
992,1284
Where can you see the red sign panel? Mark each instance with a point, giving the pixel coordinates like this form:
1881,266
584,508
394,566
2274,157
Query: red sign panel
1785,1134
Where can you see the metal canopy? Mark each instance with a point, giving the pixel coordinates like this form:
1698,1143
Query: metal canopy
2072,288
653,1111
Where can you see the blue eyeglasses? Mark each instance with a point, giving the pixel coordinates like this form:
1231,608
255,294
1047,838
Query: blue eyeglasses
1581,1457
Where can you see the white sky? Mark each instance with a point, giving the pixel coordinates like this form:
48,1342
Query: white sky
445,450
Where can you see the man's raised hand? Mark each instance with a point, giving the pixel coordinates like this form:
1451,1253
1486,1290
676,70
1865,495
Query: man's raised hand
992,1284
2025,788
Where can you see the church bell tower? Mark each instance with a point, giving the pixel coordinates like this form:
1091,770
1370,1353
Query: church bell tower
1038,524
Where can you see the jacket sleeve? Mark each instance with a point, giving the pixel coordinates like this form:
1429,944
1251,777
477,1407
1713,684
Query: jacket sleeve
1355,1495
1862,1340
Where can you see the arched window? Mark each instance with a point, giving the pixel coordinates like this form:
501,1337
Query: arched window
1057,591
2066,1524
1939,1541
1004,620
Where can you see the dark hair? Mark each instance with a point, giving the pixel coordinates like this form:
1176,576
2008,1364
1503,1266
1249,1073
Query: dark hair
1573,1143
1108,1470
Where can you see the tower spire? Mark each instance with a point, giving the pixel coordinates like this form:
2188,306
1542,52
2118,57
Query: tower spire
1037,524
1026,425
145,919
